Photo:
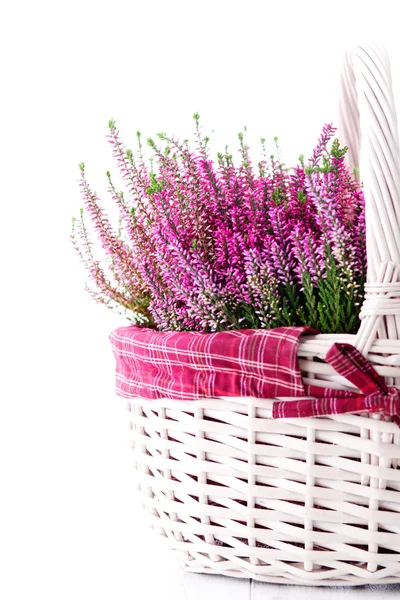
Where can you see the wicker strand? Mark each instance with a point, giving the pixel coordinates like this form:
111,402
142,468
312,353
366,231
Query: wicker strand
367,108
202,479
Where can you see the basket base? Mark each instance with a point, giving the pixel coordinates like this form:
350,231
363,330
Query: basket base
312,502
309,579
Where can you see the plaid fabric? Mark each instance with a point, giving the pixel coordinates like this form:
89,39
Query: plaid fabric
350,363
250,362
190,365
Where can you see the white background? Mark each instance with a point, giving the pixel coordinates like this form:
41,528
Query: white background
70,526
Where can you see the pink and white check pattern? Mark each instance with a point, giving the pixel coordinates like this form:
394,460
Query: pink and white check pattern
350,363
250,362
191,365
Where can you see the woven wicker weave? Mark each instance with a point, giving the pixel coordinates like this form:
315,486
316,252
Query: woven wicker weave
313,501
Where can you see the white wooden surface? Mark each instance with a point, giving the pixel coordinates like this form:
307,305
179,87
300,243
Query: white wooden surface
200,587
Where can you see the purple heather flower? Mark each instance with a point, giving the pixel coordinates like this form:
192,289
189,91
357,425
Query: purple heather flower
209,246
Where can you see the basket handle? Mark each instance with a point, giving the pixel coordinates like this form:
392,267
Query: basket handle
368,126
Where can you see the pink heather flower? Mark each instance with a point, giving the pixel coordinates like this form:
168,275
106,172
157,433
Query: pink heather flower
208,246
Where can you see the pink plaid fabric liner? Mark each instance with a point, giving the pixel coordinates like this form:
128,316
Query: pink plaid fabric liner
249,362
190,365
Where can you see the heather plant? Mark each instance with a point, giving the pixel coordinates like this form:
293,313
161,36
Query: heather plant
209,245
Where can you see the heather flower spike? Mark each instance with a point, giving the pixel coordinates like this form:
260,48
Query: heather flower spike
210,246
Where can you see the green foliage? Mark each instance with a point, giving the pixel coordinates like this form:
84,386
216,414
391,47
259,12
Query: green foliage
336,150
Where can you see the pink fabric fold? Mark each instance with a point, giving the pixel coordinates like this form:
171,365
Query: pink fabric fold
347,361
191,365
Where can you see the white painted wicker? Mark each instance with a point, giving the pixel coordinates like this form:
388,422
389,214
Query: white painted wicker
313,501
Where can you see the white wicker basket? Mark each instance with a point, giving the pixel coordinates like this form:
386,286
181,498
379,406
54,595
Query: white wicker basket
313,501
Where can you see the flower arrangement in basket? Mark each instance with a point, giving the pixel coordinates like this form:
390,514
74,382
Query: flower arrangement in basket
265,421
205,247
